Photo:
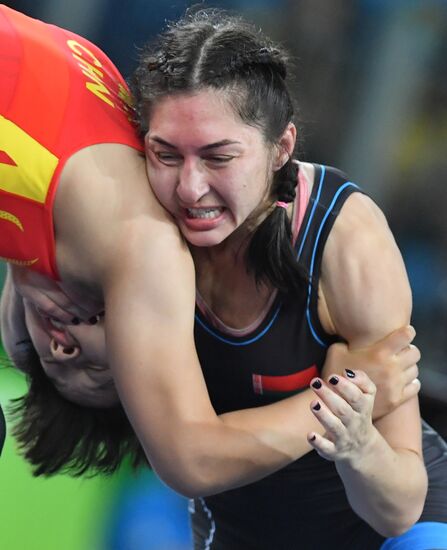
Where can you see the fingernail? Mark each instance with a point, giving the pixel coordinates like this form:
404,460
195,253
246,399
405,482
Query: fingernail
75,321
316,407
316,384
333,380
101,314
68,351
313,438
350,373
93,320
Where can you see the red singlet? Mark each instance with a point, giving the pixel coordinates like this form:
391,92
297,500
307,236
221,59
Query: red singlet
59,93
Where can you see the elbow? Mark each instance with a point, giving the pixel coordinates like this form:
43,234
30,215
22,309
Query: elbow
403,519
189,486
190,477
397,526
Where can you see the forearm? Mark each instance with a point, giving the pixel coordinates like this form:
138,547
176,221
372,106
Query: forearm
283,425
198,457
15,336
386,487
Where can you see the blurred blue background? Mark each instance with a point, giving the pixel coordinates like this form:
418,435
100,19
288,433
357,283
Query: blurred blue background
371,87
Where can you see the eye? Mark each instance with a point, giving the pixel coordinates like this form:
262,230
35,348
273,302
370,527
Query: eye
219,159
170,159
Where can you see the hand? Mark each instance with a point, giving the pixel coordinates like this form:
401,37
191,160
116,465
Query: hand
47,296
391,364
344,408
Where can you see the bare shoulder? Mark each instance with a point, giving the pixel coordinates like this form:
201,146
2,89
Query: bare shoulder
363,285
103,203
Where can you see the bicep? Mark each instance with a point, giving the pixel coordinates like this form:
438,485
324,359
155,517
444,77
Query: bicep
364,281
367,295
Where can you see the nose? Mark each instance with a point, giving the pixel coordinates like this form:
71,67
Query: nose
192,182
63,353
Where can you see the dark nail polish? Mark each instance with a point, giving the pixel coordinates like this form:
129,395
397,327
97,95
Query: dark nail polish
101,314
317,384
93,320
68,351
75,321
350,373
316,407
333,380
313,438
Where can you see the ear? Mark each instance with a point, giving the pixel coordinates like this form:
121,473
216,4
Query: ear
285,147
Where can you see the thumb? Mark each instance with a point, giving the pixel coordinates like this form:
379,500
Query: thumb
397,340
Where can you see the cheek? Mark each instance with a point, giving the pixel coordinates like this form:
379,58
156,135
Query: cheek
39,337
161,181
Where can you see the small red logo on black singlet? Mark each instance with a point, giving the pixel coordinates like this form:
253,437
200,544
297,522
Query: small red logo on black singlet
289,383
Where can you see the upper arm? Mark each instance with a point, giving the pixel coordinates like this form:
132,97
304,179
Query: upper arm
366,295
135,257
149,303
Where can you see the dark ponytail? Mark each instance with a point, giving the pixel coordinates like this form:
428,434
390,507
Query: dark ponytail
271,256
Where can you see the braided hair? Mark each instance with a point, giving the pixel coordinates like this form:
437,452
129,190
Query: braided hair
209,49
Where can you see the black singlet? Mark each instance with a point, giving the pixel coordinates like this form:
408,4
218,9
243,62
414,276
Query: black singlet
304,505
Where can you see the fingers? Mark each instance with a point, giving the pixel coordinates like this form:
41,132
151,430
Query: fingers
64,312
49,298
322,445
342,395
398,340
411,389
408,356
47,308
409,375
359,379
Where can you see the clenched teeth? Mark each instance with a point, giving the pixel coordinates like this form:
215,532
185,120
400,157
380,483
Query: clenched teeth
205,213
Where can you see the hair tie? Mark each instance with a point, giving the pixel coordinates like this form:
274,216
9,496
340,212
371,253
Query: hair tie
282,204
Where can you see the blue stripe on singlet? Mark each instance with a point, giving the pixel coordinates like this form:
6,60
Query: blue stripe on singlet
233,342
312,263
247,342
317,198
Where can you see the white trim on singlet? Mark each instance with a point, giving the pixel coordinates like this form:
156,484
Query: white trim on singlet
208,512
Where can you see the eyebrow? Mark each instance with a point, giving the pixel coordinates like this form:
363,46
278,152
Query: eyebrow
214,145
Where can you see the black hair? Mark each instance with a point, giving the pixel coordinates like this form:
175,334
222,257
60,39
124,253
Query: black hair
210,49
58,436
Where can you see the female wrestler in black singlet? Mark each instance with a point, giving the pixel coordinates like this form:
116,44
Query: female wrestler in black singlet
268,309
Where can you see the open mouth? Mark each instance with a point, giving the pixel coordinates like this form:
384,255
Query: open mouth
204,213
57,331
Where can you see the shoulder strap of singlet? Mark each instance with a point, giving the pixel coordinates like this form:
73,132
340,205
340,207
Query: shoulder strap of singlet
330,190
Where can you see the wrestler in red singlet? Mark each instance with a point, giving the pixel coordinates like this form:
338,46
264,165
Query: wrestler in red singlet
59,93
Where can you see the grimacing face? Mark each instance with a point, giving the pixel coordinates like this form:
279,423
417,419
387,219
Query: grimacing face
207,167
73,357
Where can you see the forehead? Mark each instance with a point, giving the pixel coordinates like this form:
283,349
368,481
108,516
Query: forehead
209,111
